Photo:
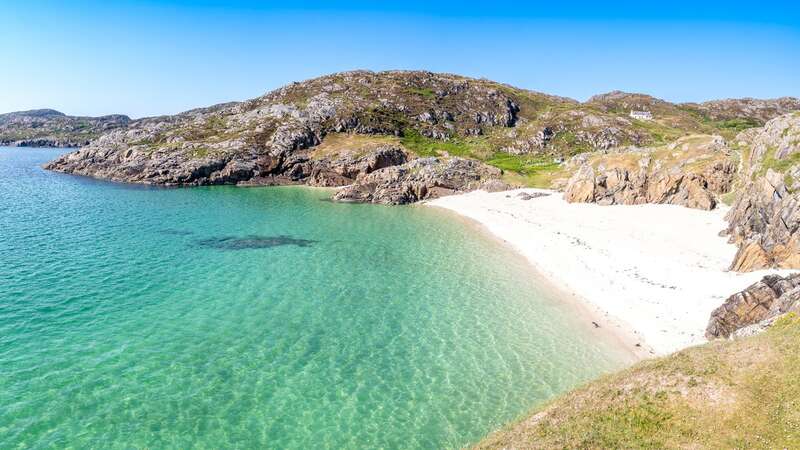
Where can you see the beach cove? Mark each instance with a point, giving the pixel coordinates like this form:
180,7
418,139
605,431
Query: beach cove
651,273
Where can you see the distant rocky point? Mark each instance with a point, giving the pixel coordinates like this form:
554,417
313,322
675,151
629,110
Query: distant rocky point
51,128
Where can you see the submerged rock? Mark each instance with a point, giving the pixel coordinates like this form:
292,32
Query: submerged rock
252,242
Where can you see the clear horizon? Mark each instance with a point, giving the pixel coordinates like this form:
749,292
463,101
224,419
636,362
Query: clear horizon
151,58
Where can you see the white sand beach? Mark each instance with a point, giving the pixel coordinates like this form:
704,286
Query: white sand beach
656,271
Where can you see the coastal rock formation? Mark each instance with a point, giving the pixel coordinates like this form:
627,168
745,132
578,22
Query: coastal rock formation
331,172
690,172
421,179
765,218
272,139
276,138
756,307
50,128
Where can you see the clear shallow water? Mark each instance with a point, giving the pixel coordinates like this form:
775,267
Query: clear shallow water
136,317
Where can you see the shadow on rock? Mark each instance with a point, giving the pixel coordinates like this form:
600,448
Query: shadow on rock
252,242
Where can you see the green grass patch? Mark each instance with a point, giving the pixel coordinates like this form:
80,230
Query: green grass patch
424,92
198,152
738,124
524,164
728,198
778,165
527,170
659,134
425,146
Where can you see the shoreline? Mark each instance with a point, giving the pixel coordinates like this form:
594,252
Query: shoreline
644,279
622,337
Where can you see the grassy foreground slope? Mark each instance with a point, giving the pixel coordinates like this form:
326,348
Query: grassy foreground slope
726,394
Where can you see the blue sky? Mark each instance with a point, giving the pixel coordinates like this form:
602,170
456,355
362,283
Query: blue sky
159,57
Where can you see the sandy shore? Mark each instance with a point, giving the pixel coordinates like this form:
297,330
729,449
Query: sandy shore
653,272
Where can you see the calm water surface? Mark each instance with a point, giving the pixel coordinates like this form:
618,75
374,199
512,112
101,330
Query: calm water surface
228,317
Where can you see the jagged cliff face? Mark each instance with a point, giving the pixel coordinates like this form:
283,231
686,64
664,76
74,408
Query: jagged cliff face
765,218
50,128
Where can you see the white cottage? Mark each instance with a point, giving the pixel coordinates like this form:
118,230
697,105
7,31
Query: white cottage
641,115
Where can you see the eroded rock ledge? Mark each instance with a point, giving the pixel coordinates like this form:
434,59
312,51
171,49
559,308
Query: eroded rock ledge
756,307
387,174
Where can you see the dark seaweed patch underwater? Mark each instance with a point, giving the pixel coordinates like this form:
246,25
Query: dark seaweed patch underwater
252,242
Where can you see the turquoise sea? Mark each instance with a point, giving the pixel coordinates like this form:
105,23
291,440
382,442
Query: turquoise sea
224,317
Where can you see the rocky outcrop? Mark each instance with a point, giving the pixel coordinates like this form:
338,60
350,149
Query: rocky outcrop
685,174
755,307
765,218
341,171
50,128
421,179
